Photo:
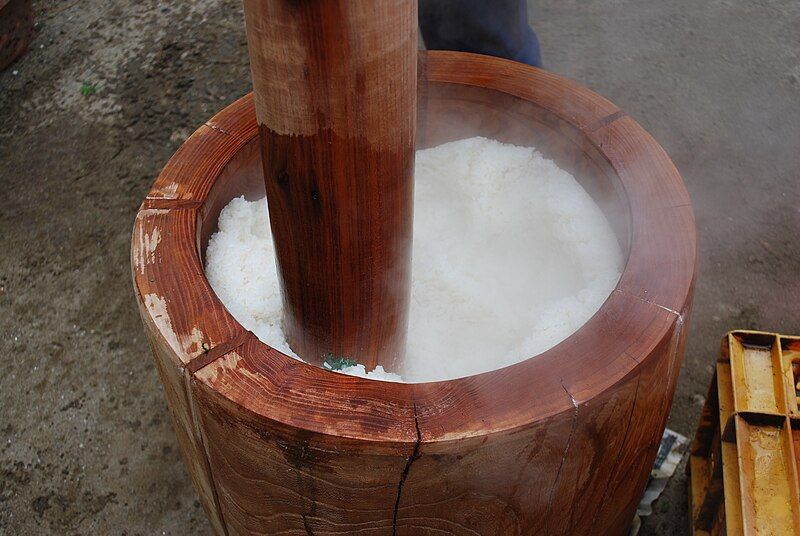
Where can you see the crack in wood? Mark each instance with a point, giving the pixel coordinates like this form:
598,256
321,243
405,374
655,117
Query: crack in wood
563,456
216,352
406,469
605,121
168,203
651,302
218,129
197,428
619,453
307,526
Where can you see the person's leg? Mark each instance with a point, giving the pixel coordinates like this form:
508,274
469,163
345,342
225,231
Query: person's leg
493,27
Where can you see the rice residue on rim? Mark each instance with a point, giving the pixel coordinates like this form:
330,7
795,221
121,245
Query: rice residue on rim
510,257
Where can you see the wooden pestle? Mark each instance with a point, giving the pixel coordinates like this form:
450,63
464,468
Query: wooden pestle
335,94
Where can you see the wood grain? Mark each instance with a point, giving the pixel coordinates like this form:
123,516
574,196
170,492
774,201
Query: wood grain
334,95
561,443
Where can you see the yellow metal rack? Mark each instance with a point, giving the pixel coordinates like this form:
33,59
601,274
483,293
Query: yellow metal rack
743,468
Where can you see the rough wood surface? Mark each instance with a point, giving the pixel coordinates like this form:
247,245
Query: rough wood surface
334,94
16,27
561,443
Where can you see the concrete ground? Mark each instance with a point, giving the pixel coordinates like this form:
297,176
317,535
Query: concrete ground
110,89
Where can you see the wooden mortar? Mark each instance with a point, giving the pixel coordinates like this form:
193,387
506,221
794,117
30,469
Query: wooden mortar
561,443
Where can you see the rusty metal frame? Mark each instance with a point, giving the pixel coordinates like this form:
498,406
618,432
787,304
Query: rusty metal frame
743,468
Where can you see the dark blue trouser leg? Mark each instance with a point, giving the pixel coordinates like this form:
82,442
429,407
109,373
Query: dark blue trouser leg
493,27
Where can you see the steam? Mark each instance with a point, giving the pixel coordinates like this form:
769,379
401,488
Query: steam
511,256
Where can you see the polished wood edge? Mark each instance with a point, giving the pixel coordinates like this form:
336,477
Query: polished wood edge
337,433
567,99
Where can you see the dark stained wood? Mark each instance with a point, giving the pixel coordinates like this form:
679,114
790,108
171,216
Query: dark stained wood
16,28
561,443
334,85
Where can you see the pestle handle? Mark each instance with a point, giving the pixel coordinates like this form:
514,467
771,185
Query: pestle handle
335,94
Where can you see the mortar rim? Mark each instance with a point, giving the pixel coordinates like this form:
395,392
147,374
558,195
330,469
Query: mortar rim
431,403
